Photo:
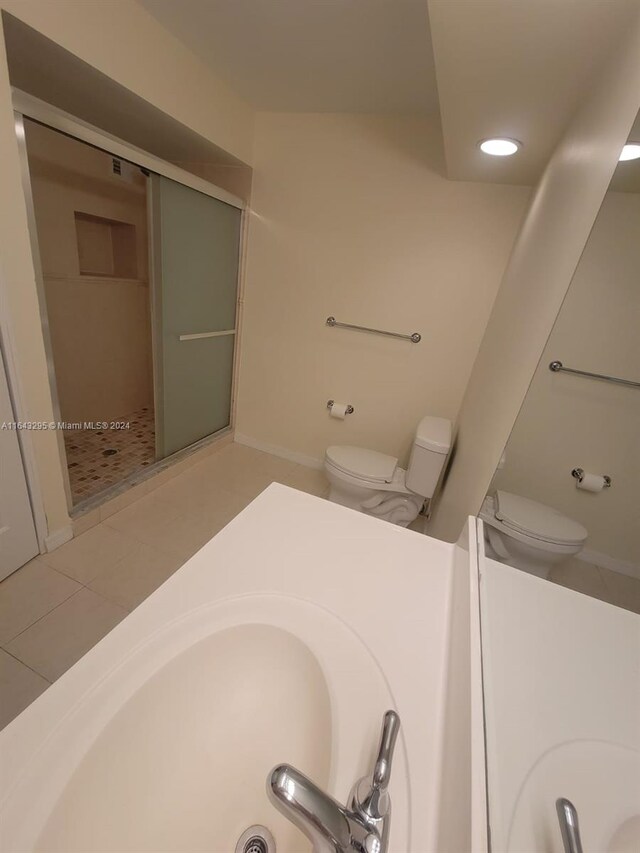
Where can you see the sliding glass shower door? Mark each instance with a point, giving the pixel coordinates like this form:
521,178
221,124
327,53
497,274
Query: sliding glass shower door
195,260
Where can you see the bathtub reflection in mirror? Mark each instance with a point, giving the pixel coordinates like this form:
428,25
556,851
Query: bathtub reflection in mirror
537,515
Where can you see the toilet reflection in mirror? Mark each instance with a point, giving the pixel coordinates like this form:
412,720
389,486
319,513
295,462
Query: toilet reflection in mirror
535,516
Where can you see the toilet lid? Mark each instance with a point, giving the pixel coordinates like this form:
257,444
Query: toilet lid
538,520
363,463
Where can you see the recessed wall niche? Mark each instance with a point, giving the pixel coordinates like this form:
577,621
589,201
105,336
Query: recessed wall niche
106,247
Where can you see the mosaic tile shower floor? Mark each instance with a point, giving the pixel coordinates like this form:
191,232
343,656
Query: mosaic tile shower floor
100,458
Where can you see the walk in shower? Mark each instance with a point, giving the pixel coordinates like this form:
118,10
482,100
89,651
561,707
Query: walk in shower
138,277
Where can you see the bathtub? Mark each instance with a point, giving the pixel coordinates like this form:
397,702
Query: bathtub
283,640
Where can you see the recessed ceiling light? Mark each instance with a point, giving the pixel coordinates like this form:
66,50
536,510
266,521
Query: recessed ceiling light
631,151
501,147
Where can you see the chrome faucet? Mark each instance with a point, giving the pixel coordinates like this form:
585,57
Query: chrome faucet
569,826
360,827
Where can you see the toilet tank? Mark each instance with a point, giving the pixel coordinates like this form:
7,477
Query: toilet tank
430,450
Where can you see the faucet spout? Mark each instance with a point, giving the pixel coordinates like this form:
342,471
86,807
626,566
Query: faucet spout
316,814
360,827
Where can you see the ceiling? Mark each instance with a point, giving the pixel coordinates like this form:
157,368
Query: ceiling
312,55
515,68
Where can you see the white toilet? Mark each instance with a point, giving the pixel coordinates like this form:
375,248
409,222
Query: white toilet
529,535
372,482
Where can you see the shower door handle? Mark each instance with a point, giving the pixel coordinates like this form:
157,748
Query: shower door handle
197,335
569,827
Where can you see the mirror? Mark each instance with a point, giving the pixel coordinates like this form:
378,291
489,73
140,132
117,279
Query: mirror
564,503
560,670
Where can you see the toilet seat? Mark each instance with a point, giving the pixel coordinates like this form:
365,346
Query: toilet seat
528,535
369,466
363,487
397,483
537,521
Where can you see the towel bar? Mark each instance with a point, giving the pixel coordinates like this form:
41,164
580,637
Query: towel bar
414,337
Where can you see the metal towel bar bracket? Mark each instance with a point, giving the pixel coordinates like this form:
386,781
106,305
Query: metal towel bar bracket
557,366
414,337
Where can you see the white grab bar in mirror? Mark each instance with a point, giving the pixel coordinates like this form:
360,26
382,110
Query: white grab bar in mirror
557,366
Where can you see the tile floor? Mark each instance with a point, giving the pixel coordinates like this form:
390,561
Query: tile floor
54,609
98,459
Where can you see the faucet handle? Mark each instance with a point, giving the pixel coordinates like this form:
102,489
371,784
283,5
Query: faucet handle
369,797
569,826
382,767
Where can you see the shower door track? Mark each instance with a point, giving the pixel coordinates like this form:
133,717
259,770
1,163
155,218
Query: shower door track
37,110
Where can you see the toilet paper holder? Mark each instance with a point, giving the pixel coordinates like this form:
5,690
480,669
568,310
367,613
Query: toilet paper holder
350,409
578,473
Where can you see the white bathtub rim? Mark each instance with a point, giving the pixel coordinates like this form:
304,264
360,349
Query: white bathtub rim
57,756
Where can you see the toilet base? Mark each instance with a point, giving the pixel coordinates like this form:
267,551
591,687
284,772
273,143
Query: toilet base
520,555
395,507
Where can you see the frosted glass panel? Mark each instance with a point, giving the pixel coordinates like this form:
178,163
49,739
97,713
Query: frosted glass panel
196,244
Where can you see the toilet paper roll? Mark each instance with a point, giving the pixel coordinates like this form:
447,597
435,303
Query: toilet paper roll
591,483
338,410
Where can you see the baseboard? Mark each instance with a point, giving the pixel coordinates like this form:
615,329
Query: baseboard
58,537
291,455
606,562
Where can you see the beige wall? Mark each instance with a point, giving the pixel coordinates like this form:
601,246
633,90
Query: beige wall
69,176
125,43
234,179
567,422
352,217
547,251
100,327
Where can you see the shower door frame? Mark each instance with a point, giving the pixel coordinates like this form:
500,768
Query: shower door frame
30,107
